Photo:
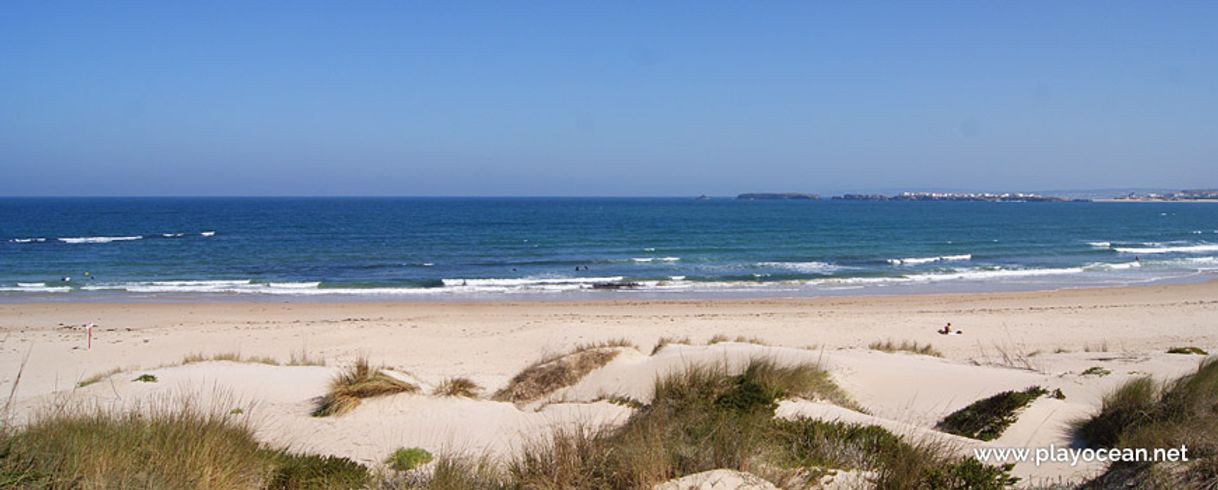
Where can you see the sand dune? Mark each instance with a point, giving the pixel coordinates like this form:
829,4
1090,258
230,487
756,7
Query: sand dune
1011,341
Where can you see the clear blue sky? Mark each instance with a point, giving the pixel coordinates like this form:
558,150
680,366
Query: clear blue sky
604,98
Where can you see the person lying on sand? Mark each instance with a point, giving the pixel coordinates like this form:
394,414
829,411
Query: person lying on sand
947,329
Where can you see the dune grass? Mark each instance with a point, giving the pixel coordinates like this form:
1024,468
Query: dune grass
665,341
1144,414
171,443
356,383
720,338
228,356
98,377
1188,350
555,372
704,418
986,419
905,346
458,387
303,358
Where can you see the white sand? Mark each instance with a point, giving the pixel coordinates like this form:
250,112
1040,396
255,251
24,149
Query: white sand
1010,341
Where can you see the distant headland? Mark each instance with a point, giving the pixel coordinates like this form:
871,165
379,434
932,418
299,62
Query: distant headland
915,196
778,196
1187,195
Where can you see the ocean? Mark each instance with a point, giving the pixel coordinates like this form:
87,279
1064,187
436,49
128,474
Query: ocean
170,249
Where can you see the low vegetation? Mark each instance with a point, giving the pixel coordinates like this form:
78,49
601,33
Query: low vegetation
553,373
145,378
356,383
406,459
704,418
310,471
169,443
1097,371
740,339
458,387
665,341
229,356
1143,414
905,346
986,419
1188,350
98,377
303,358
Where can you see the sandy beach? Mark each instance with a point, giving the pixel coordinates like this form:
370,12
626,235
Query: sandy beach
1009,341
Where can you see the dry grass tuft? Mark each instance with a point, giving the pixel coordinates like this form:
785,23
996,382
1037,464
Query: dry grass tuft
462,387
665,341
303,358
98,377
358,382
905,346
228,356
720,338
165,444
553,373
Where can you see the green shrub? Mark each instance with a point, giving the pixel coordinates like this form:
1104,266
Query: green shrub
314,472
1096,371
406,459
987,418
1187,350
145,378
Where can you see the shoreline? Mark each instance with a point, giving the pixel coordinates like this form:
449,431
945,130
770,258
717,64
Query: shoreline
755,293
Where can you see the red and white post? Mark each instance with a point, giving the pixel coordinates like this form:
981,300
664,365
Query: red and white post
89,336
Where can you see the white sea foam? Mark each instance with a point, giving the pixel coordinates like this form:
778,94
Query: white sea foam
655,259
101,239
805,267
1161,249
27,240
1113,266
173,235
1100,244
208,233
649,249
927,260
294,285
35,287
977,274
530,281
234,286
676,278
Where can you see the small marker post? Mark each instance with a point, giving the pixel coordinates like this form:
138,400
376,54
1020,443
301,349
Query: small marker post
89,336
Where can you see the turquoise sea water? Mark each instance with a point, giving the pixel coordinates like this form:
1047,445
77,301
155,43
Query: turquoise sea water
586,248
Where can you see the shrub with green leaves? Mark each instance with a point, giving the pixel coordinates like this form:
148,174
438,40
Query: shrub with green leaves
1097,371
406,459
987,418
314,472
1188,350
145,378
